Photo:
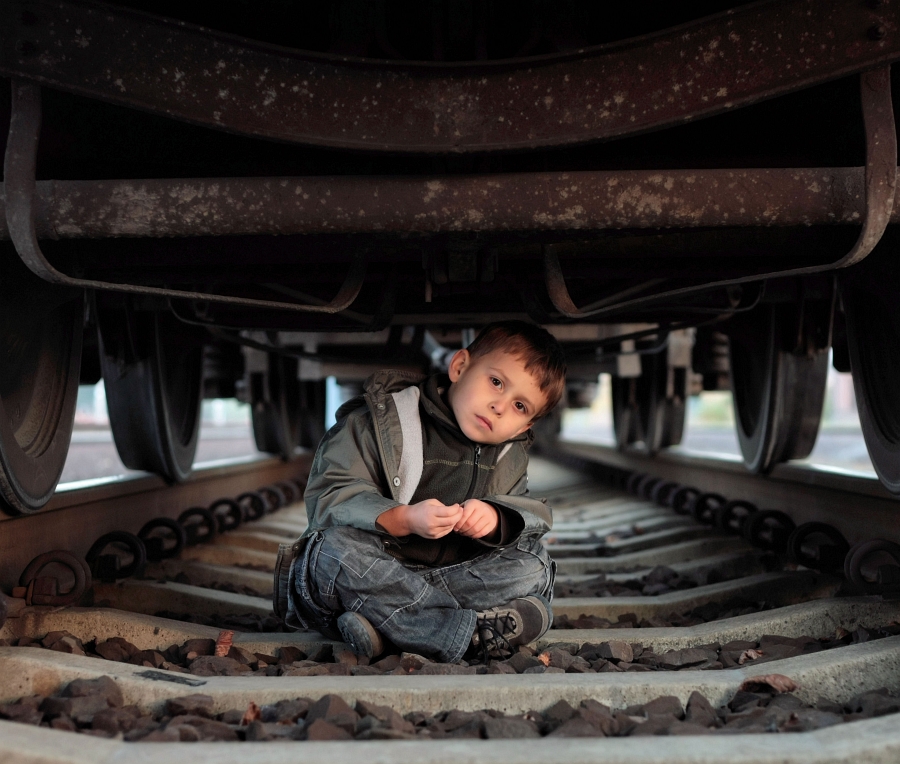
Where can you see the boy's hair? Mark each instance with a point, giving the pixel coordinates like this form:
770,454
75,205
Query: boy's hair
539,350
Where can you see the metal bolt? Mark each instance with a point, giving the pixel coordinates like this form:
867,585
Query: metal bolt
28,19
877,32
26,48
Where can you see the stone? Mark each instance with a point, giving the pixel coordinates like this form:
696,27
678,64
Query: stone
500,667
559,712
323,730
665,705
388,663
149,658
578,666
739,645
675,659
205,729
412,661
743,700
616,650
196,705
329,706
242,656
24,714
347,657
806,719
365,671
116,649
285,711
116,720
453,720
508,728
289,654
63,723
194,648
68,644
385,715
212,665
575,727
699,711
167,735
520,662
873,703
83,707
658,724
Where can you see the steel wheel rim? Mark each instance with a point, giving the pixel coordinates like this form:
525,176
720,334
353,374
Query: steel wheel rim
38,393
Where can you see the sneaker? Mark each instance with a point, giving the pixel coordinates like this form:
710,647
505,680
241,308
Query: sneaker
360,634
500,630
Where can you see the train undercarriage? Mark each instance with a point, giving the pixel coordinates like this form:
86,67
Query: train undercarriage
229,203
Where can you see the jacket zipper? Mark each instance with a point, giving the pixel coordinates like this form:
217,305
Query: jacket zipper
471,492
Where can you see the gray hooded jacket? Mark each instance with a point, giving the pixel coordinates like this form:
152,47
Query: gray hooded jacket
399,443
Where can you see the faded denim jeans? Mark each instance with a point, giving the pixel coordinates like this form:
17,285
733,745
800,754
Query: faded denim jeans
426,610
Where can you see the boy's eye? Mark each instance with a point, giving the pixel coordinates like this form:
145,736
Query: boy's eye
496,382
521,407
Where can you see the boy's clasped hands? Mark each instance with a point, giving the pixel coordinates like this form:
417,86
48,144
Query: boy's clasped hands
431,519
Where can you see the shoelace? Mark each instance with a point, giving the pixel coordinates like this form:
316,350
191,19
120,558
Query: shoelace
492,632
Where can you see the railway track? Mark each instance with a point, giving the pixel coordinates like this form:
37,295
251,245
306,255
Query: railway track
666,622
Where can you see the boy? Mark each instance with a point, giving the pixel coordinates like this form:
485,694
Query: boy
421,529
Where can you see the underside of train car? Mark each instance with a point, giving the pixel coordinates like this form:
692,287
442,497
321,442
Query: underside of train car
243,198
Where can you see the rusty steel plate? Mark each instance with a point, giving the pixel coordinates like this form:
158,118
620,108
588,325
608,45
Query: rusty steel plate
207,78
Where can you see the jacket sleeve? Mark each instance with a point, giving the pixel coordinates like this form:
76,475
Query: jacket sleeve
534,516
346,483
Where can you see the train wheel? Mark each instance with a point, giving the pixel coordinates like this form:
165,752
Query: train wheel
777,394
41,350
873,336
276,406
153,372
661,399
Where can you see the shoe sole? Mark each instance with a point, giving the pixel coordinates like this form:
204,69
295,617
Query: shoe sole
360,635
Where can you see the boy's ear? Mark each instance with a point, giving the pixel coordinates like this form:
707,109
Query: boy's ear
459,362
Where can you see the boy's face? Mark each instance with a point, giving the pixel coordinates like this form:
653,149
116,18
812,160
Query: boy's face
492,396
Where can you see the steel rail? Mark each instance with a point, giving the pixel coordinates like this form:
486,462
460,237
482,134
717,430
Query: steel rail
695,70
75,518
858,506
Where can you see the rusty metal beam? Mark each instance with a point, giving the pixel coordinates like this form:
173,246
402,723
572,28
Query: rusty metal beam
881,182
19,184
512,202
216,80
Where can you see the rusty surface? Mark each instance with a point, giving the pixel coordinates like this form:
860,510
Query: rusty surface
19,165
192,74
881,162
880,183
588,200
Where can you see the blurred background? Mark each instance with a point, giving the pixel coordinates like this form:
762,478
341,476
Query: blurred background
226,432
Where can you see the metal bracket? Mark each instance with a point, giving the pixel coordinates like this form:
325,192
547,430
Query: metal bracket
881,183
19,173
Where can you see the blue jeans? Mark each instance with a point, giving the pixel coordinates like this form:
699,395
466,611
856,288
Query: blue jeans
430,611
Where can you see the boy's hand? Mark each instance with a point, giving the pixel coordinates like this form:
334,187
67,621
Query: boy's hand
429,519
479,519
